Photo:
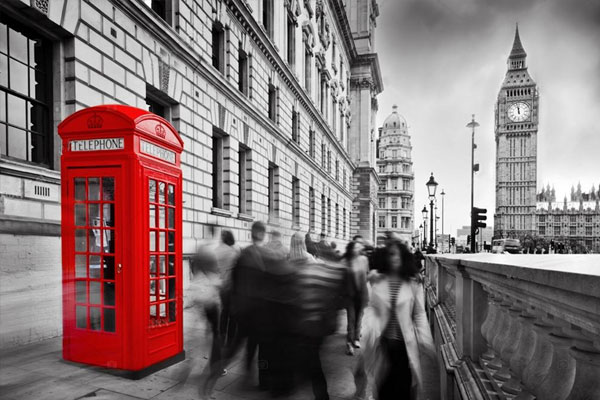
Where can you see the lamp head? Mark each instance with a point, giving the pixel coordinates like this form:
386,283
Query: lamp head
431,186
424,211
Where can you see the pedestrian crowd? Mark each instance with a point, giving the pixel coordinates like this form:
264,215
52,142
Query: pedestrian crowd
280,303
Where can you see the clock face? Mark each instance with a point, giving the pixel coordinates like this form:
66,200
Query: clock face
518,112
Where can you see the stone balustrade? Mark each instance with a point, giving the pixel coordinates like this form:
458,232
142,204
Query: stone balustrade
516,326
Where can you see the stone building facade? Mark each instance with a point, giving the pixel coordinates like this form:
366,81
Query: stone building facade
395,169
516,122
573,223
275,102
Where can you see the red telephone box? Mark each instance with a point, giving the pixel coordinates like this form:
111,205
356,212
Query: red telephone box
121,239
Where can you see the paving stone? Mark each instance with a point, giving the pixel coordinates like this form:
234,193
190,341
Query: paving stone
103,394
145,388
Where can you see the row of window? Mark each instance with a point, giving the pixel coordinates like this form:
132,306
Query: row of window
405,203
383,168
570,218
392,184
558,231
404,222
393,154
220,143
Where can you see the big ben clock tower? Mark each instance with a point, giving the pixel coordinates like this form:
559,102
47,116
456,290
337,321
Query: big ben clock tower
517,116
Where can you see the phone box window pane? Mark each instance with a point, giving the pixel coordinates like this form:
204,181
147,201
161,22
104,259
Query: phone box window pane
152,191
80,240
95,267
95,319
152,241
152,216
162,265
94,214
162,289
81,316
3,38
171,195
109,241
163,310
161,192
94,189
152,265
171,212
109,267
109,319
171,236
81,291
95,288
172,290
109,293
171,265
153,311
152,289
94,240
80,266
108,214
162,241
80,189
161,217
80,214
108,189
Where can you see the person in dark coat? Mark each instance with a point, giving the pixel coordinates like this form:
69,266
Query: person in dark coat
320,287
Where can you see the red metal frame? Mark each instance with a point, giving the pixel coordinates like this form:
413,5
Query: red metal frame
129,147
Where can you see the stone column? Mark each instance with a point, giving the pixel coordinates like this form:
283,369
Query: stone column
469,316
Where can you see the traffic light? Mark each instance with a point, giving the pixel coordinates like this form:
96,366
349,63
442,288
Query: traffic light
477,216
468,240
452,241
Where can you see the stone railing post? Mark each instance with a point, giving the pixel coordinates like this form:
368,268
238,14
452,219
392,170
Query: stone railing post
470,300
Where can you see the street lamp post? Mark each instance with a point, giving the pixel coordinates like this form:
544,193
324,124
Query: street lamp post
431,187
443,239
435,243
472,125
424,212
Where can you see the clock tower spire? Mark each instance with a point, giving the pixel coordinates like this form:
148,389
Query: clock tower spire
516,128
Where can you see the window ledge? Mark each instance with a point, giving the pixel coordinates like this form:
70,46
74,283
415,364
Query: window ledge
245,217
24,170
221,211
296,227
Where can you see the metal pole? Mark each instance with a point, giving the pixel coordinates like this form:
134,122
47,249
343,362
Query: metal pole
443,238
431,239
472,125
424,232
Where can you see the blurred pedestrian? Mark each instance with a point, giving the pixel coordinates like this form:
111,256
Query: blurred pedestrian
335,250
356,291
395,325
261,302
226,254
321,294
276,245
311,246
204,294
323,248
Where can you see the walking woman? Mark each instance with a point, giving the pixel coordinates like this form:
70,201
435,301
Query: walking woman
395,328
356,292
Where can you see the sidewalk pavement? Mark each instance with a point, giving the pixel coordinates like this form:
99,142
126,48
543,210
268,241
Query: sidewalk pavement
38,372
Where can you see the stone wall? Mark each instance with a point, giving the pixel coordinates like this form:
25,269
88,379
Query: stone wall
517,325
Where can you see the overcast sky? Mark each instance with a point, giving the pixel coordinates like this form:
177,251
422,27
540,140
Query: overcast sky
443,60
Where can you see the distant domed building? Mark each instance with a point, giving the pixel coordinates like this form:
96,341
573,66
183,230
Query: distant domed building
394,167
